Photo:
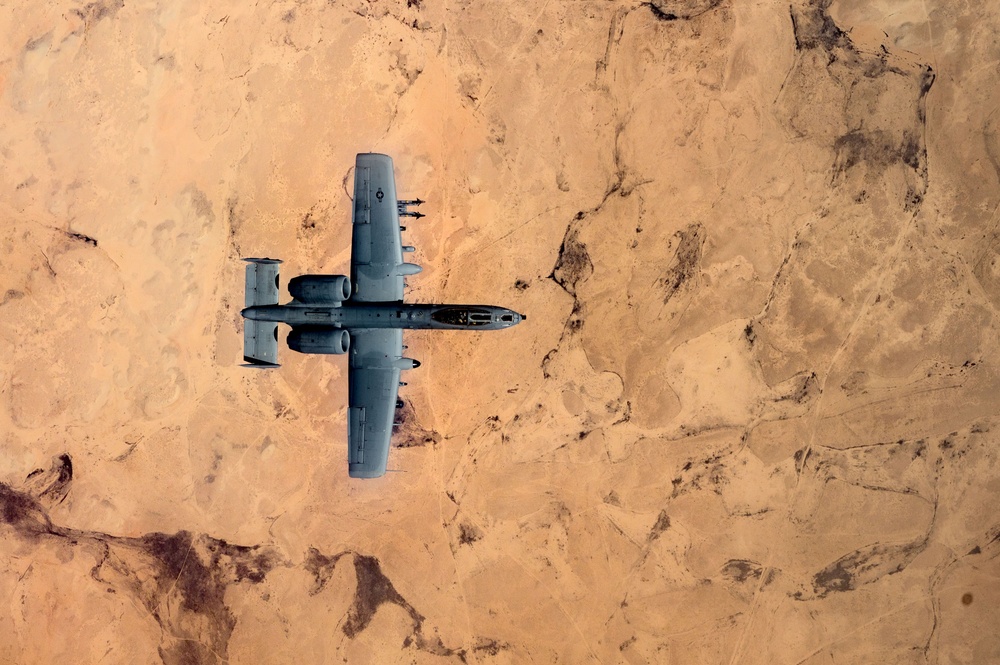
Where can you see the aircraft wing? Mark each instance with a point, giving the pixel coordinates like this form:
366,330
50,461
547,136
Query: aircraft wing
376,251
373,384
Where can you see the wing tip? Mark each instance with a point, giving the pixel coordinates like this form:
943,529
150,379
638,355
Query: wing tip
250,361
262,260
364,472
372,158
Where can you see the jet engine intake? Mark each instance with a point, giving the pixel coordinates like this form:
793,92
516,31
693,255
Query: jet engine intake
320,289
319,340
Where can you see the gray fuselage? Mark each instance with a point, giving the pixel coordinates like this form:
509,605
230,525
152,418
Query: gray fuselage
387,315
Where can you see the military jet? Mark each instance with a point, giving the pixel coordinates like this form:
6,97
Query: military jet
363,315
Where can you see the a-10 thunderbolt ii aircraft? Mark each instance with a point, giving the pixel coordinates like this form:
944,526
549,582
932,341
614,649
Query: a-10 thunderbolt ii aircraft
363,316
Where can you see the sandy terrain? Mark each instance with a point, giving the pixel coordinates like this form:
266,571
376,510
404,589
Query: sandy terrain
752,417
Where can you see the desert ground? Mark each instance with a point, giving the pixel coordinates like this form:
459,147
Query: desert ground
752,416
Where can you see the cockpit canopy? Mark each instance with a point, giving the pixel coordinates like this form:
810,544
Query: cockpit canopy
463,316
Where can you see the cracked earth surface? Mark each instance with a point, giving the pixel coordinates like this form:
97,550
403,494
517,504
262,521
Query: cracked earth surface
750,419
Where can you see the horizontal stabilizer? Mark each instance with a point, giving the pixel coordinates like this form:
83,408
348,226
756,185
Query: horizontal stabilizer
260,343
262,282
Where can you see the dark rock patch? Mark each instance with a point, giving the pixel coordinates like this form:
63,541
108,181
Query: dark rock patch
489,646
739,570
321,567
687,257
23,513
97,11
661,525
82,238
51,486
573,264
864,566
409,433
468,534
673,10
814,28
374,590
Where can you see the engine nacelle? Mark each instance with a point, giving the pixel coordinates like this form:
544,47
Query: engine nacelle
319,340
320,289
